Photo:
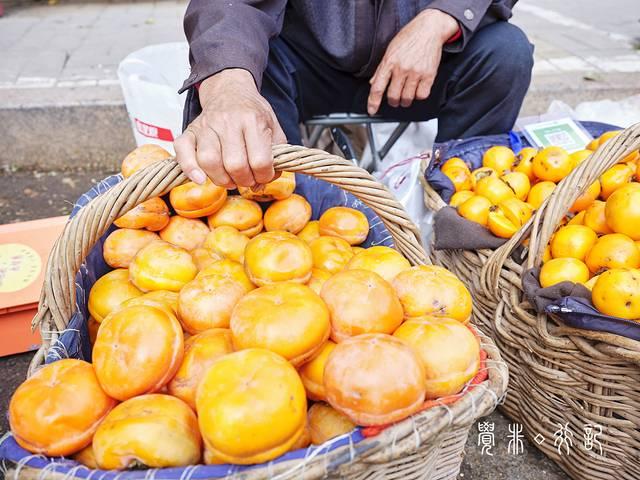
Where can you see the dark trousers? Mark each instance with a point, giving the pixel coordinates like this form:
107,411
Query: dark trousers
478,91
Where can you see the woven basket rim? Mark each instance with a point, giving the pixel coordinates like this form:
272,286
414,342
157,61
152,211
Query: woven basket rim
57,299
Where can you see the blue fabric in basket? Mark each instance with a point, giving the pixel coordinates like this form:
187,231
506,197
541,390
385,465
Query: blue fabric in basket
74,343
471,150
580,313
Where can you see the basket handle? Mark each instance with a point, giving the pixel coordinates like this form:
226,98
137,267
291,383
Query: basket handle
546,219
57,300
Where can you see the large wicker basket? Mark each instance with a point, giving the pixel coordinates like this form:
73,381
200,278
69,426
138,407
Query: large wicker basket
561,378
428,445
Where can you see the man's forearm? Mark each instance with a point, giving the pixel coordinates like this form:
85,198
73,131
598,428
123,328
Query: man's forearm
224,35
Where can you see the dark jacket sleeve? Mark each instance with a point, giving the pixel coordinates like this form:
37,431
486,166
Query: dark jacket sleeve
230,34
472,15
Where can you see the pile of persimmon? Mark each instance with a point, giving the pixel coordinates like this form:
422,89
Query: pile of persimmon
598,243
233,329
503,194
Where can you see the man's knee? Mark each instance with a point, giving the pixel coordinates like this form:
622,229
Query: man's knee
507,52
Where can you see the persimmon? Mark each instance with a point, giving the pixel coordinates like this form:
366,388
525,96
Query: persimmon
242,417
539,193
109,292
480,173
122,245
524,162
287,318
578,218
614,250
325,423
86,457
277,257
552,164
459,198
138,350
237,212
163,297
476,209
573,241
424,290
493,189
617,293
200,351
330,253
508,217
57,410
230,269
356,249
385,261
304,441
278,189
289,215
453,162
460,177
152,214
622,211
595,219
317,279
546,256
347,223
360,301
253,231
203,257
616,177
448,350
188,233
155,430
162,266
227,242
374,379
580,156
500,158
193,200
589,196
560,270
141,157
310,232
591,282
207,302
518,182
92,328
312,373
500,225
606,136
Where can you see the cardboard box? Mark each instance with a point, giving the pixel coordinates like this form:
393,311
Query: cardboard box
24,250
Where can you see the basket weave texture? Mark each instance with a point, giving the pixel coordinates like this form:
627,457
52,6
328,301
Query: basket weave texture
428,445
561,378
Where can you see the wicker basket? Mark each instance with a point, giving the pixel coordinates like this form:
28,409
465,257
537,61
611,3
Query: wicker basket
560,377
428,445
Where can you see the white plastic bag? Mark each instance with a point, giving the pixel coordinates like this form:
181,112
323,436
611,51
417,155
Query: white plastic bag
622,113
400,170
150,79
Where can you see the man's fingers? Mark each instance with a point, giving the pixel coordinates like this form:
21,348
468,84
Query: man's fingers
424,89
408,92
234,157
394,91
210,157
258,141
185,146
379,84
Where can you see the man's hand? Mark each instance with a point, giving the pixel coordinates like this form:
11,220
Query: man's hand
411,61
230,141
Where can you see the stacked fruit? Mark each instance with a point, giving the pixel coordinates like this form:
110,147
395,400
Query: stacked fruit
503,194
219,323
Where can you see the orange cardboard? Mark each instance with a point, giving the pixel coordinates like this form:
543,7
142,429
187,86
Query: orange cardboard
24,250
